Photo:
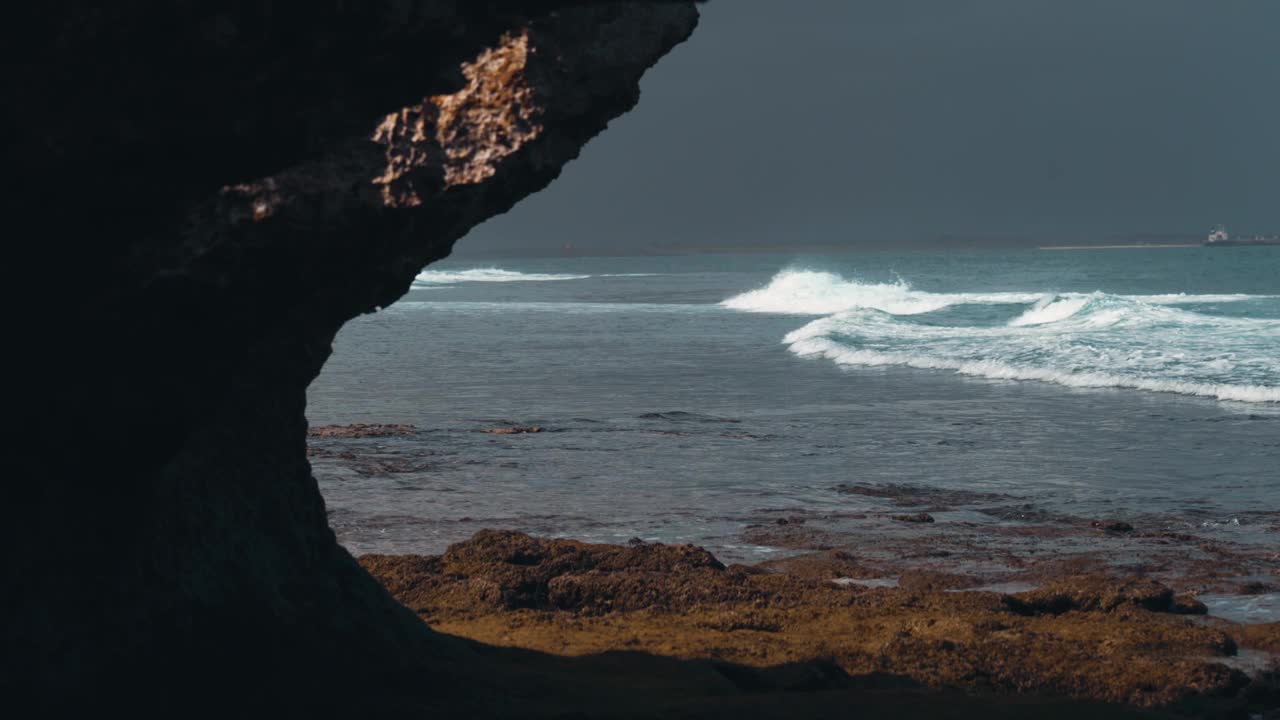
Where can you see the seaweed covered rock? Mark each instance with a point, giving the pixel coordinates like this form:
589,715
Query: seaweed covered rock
1120,644
1099,593
513,570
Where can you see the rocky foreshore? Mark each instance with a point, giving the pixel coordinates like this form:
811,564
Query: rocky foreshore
805,625
898,532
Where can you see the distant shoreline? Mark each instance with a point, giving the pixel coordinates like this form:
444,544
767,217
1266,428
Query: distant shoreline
1118,247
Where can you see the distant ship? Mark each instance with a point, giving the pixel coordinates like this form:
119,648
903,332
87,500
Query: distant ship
1220,238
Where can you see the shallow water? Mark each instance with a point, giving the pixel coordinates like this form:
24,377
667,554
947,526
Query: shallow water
1243,608
687,399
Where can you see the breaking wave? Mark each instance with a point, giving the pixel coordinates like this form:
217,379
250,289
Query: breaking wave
1095,340
1049,309
808,292
429,278
559,308
811,292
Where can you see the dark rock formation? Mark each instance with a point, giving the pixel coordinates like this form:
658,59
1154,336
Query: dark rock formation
212,191
532,429
360,430
1100,593
1112,526
510,570
1093,638
914,518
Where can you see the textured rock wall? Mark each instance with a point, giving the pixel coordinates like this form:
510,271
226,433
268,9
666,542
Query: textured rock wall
212,193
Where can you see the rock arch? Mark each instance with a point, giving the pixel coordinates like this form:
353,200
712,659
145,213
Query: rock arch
214,193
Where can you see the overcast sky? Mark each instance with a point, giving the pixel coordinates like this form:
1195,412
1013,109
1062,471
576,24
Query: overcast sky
897,122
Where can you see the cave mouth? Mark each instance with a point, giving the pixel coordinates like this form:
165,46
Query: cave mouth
250,180
218,192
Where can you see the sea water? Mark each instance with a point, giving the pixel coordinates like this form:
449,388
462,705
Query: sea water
687,398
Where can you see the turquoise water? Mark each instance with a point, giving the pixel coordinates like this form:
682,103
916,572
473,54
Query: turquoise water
689,398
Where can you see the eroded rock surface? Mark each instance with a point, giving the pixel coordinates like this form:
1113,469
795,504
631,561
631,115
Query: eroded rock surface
1093,638
215,190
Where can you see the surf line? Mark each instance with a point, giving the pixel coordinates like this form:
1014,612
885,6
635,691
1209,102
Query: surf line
1117,247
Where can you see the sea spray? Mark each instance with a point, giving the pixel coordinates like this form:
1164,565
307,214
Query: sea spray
487,275
1094,340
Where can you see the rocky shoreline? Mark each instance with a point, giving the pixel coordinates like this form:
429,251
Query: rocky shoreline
802,625
896,534
218,190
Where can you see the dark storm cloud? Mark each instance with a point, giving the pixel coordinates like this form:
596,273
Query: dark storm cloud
903,121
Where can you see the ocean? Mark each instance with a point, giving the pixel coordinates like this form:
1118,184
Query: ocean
702,398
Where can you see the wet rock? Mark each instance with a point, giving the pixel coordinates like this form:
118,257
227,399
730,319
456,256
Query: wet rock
360,430
789,535
936,581
1264,636
1174,536
823,566
915,518
734,620
532,572
677,602
1095,593
1026,512
595,592
1256,588
1187,604
916,495
1112,526
689,417
393,466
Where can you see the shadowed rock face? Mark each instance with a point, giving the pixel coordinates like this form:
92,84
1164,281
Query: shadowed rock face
215,192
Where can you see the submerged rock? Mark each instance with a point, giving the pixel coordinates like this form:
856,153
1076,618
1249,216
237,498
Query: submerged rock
514,430
360,430
1112,526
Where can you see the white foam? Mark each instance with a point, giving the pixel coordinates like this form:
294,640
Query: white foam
487,275
1078,340
1049,310
1185,299
886,582
1244,608
563,308
810,292
998,370
796,291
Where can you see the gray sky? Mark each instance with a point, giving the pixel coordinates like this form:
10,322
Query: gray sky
900,122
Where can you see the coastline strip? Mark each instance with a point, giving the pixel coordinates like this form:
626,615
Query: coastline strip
1118,247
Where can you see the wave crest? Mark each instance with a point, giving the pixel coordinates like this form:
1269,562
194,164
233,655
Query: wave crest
997,370
1142,342
796,291
428,278
1050,309
811,292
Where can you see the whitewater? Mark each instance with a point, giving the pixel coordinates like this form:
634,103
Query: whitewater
428,279
1224,346
698,399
